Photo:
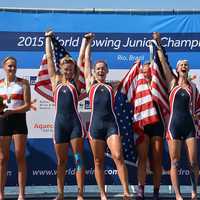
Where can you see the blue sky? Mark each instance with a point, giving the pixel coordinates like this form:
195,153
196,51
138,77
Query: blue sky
134,4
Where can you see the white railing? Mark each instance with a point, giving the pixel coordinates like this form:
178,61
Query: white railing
102,10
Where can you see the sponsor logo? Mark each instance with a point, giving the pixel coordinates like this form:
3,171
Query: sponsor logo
32,80
87,104
48,127
46,105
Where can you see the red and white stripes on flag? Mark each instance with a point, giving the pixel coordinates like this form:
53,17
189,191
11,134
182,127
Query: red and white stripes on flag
135,86
144,108
159,89
81,82
43,83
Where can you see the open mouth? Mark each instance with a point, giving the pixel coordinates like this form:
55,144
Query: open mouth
184,70
101,75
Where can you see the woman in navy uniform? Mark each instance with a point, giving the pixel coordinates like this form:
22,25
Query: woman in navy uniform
103,128
16,94
181,125
68,126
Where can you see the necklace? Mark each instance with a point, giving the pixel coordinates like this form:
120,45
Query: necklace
9,89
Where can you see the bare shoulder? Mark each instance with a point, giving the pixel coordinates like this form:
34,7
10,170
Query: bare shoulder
57,78
23,81
1,82
115,84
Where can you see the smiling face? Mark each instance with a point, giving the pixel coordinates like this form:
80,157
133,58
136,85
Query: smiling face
101,71
182,68
10,67
67,68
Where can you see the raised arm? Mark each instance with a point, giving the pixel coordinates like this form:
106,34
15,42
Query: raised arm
169,75
81,57
88,64
50,61
81,63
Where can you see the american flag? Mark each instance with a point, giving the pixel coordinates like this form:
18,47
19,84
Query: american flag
134,109
59,51
124,114
158,83
43,83
135,86
81,81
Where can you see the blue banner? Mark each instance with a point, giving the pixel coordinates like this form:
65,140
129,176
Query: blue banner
103,42
120,38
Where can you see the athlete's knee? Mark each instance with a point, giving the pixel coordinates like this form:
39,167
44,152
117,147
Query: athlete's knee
79,161
142,158
175,164
20,157
61,162
193,165
117,156
3,159
98,162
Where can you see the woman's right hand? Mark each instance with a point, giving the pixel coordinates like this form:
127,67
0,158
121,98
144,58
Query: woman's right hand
89,36
49,33
156,37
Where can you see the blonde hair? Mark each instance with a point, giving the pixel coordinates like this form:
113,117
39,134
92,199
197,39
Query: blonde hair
180,61
8,58
71,60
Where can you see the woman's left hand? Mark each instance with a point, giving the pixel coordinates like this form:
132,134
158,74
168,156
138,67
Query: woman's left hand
7,112
2,107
